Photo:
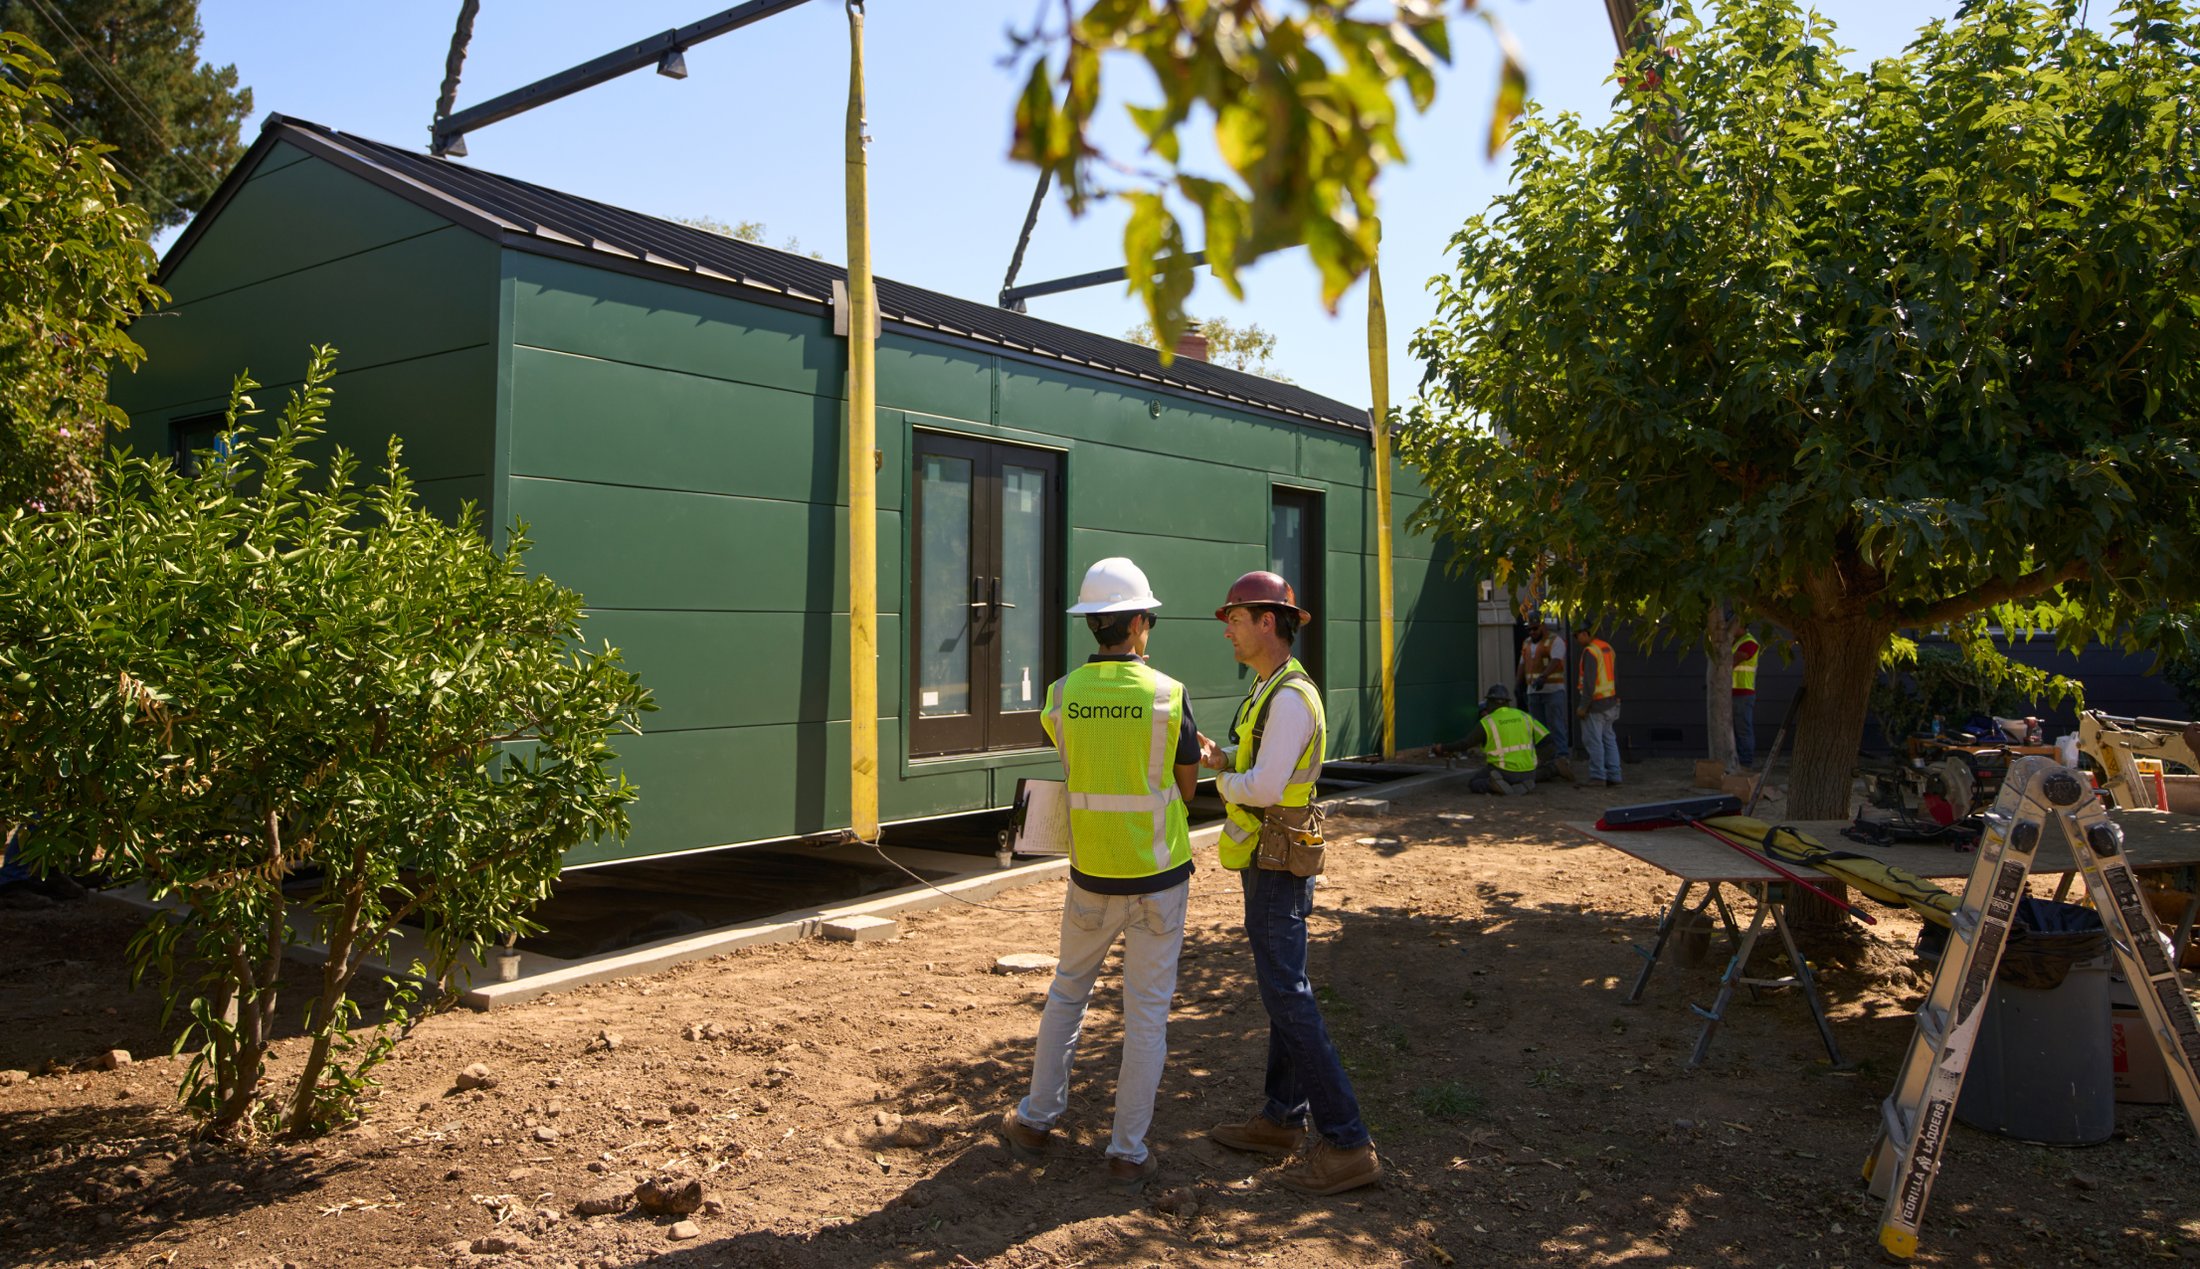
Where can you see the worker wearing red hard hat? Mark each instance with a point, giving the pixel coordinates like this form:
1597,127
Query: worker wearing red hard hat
1130,755
1268,772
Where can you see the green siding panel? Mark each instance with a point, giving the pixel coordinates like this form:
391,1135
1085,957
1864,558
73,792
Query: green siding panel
583,418
652,548
738,669
1336,458
932,378
573,308
423,296
1082,408
1131,491
721,786
281,155
445,499
298,216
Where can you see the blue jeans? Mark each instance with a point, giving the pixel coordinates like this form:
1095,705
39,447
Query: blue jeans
1304,1075
1745,729
1549,709
1602,742
1152,930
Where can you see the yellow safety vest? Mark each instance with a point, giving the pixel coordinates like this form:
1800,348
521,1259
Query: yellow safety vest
1242,833
1508,739
1598,655
1116,724
1745,672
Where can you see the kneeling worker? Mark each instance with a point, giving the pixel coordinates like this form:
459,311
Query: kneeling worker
1509,740
1131,756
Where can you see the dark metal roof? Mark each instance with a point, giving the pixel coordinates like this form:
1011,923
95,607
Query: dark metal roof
521,213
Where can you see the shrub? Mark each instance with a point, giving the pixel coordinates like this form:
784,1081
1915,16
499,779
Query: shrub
215,684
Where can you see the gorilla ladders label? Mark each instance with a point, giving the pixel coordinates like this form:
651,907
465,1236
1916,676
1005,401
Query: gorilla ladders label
1915,1117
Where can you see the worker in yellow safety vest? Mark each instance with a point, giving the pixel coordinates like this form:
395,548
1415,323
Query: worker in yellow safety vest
1269,769
1745,698
1509,740
1130,755
1599,708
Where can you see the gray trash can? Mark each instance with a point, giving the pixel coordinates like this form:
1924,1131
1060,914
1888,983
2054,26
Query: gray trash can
2042,1070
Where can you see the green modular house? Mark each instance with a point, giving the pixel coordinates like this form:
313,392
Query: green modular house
662,407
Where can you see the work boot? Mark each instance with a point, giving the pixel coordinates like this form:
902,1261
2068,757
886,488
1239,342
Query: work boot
1259,1135
1126,1177
1563,769
1325,1169
1500,785
1024,1140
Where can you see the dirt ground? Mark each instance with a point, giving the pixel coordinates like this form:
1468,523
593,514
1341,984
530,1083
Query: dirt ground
837,1101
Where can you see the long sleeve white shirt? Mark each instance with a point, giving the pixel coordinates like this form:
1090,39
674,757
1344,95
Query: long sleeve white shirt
1290,726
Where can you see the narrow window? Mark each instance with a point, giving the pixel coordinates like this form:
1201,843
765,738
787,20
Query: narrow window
1295,554
192,440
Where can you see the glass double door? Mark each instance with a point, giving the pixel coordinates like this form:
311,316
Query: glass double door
985,638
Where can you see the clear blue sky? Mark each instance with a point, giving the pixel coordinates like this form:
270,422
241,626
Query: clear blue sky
754,133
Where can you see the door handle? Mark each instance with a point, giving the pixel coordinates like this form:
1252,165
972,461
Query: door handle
997,595
977,587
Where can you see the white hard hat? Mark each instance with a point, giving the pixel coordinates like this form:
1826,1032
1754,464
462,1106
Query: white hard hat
1114,585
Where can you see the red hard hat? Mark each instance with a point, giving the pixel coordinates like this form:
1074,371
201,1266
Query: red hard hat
1260,587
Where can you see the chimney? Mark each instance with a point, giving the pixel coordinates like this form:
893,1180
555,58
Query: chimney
1192,344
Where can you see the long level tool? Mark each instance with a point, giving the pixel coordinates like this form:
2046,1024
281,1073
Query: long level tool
1917,1116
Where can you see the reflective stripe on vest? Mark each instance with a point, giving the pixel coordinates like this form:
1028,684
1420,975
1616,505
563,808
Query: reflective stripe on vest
1599,655
1235,849
1745,672
1116,724
1508,740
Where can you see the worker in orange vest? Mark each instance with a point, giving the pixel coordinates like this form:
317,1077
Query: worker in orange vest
1599,708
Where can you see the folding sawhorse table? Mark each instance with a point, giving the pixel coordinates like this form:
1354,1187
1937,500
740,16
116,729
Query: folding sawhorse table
2151,839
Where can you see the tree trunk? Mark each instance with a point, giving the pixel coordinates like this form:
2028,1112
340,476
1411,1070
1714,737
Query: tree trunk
322,1025
1718,686
1840,659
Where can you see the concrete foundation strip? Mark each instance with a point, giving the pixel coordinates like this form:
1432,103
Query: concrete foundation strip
788,927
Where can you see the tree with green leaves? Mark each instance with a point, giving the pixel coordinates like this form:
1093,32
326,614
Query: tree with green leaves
135,82
1304,118
1904,347
74,273
752,231
301,712
1249,348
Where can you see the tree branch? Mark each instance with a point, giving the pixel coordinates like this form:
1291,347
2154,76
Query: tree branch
2038,581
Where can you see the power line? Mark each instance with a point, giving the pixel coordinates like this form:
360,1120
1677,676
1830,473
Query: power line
130,100
110,159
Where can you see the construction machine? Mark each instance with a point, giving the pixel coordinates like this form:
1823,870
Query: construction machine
2116,745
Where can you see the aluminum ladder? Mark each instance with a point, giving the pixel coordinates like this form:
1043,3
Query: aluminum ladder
1917,1116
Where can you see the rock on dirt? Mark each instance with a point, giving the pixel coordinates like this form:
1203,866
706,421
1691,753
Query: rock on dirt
1025,963
669,1195
605,1042
115,1059
500,1244
607,1199
685,1230
13,1077
476,1076
703,1031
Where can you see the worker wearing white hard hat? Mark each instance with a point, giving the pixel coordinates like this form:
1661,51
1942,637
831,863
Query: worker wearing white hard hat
1130,758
